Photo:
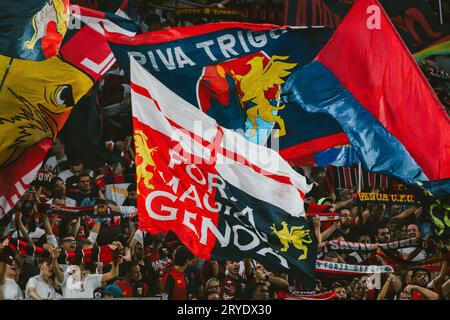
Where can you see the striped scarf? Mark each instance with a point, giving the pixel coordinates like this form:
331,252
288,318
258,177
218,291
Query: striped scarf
338,245
297,295
393,257
327,267
101,182
79,211
326,216
97,254
347,177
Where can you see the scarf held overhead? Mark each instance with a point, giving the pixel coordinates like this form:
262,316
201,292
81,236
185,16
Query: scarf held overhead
97,254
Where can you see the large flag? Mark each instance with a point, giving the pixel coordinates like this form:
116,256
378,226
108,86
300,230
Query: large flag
32,29
234,72
417,24
36,98
225,197
368,81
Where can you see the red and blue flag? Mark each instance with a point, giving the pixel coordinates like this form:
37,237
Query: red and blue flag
367,80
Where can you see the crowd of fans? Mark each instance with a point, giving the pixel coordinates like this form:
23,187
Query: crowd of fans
159,266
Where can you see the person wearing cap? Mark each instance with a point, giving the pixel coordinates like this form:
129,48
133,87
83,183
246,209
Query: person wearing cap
112,291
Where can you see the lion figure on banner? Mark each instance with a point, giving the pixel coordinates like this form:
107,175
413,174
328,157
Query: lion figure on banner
146,153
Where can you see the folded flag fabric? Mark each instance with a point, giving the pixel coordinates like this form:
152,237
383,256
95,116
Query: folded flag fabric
234,72
116,186
439,213
441,48
87,34
33,29
35,101
380,98
414,20
337,156
225,197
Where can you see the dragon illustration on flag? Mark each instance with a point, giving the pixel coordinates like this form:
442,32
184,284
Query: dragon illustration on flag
255,84
49,26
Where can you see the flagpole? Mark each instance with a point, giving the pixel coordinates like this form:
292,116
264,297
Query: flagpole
359,177
6,73
359,190
440,12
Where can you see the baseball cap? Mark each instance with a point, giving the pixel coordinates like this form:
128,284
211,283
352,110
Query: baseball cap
114,290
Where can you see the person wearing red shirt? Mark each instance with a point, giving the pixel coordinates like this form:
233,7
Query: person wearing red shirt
232,285
131,285
420,278
174,283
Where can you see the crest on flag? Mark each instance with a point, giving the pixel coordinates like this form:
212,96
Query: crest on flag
258,79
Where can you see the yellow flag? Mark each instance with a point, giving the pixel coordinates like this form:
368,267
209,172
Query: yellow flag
35,100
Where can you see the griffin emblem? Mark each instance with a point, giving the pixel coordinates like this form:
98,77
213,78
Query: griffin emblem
254,85
296,236
145,153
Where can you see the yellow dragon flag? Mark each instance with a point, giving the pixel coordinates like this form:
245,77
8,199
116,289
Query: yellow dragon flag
36,98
